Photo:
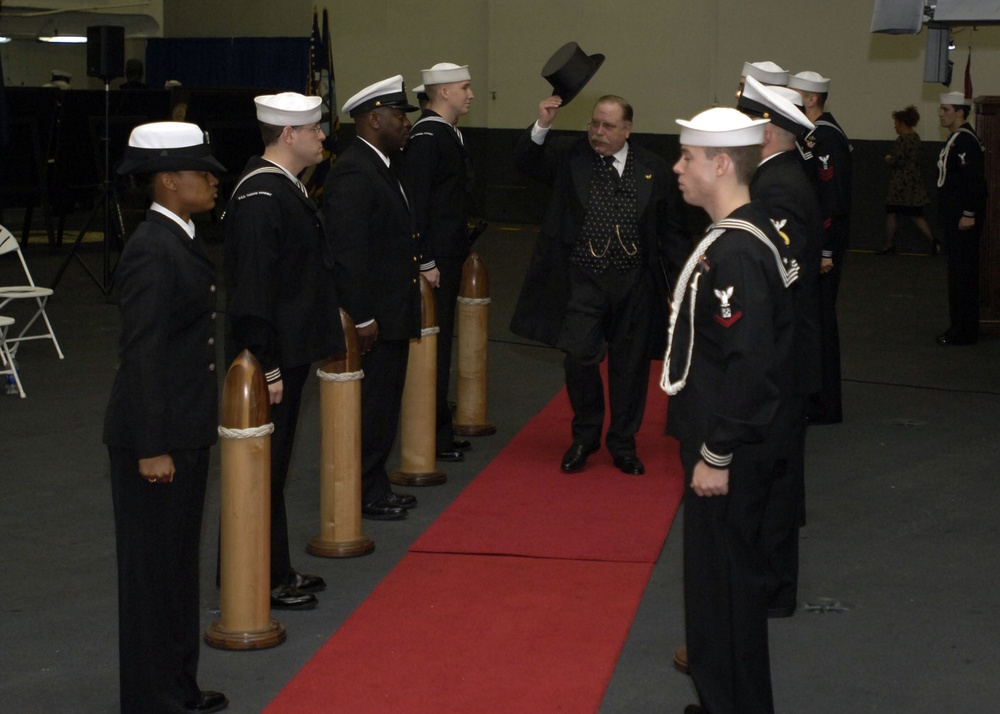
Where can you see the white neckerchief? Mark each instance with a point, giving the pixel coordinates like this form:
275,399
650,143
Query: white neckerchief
187,226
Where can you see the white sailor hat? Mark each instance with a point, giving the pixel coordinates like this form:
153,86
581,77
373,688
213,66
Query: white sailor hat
766,72
168,146
445,73
288,109
61,74
810,82
776,104
389,92
956,99
420,89
722,126
172,84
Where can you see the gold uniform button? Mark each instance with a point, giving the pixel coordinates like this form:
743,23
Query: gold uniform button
212,316
211,367
211,340
211,289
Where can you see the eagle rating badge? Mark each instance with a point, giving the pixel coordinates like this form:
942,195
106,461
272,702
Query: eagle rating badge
726,317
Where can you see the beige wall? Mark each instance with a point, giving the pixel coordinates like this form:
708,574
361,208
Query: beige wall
670,58
238,18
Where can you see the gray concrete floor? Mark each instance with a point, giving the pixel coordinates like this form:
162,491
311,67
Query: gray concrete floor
898,560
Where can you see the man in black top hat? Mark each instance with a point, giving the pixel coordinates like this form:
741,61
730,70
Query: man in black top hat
378,259
597,284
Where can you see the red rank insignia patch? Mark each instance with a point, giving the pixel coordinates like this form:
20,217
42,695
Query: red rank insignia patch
825,171
726,317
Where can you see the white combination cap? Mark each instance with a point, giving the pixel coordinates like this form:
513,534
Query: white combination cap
446,73
61,74
168,146
389,92
766,72
957,99
810,82
774,103
722,126
288,109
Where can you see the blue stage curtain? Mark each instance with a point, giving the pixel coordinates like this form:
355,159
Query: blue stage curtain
278,63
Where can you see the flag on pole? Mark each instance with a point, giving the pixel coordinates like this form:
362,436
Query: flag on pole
321,84
968,76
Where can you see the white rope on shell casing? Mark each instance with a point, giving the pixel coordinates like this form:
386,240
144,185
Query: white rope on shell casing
340,376
251,433
677,302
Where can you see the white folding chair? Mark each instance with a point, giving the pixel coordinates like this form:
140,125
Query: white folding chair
6,357
9,293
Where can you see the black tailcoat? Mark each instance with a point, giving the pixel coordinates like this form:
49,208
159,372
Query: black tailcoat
567,164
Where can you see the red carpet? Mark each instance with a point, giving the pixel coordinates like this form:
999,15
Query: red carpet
484,634
522,504
519,597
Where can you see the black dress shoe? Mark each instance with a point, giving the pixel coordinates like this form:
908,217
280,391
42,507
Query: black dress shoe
461,445
576,458
630,465
208,702
453,456
383,510
285,597
306,583
947,340
403,500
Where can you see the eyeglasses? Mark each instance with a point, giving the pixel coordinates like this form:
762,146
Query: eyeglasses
314,128
594,125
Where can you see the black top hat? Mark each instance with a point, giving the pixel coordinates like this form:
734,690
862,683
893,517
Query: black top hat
569,70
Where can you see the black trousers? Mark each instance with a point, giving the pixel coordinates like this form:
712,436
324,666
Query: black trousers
158,533
607,314
963,280
827,404
285,417
784,515
381,399
445,298
725,596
